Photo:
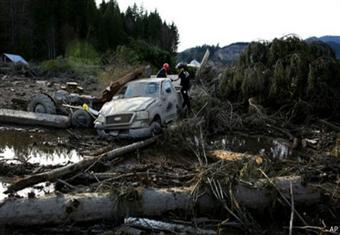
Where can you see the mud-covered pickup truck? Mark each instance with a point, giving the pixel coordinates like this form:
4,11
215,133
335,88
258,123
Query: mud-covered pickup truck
140,109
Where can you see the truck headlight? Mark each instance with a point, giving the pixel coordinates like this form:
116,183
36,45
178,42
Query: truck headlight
100,119
140,124
142,115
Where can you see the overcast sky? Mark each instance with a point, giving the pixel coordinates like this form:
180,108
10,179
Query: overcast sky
227,21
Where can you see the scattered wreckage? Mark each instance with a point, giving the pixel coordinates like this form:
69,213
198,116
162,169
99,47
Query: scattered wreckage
127,108
67,102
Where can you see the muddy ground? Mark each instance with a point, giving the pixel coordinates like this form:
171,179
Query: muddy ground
31,150
17,90
26,150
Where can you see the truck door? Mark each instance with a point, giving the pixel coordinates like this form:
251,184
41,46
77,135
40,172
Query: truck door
169,101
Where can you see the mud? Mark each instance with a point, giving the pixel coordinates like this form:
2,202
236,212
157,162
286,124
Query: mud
17,91
25,150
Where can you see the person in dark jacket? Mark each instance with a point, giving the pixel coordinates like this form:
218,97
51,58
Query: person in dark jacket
185,83
163,72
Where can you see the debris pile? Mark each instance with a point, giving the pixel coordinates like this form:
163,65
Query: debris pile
183,182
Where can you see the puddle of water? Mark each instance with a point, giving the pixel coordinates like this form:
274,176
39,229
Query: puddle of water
38,190
35,155
252,145
34,146
20,145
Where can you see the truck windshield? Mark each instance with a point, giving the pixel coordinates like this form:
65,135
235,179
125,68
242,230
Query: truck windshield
140,89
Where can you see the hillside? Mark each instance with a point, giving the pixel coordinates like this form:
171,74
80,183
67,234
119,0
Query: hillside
332,41
230,53
195,53
220,55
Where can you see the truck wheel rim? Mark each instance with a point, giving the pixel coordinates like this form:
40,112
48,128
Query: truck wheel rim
40,109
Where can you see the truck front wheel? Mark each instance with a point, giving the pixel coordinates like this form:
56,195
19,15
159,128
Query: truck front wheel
81,119
156,127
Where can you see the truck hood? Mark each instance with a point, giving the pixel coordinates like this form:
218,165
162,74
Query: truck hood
126,105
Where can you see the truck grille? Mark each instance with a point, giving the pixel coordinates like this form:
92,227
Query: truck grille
119,119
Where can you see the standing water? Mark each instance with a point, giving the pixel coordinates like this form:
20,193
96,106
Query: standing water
43,148
35,147
276,148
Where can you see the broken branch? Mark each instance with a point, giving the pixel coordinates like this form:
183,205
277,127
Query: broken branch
66,170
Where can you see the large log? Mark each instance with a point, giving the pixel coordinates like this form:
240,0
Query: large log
34,119
55,174
141,203
154,225
115,85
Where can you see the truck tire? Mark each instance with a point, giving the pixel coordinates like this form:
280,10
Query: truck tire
81,119
156,127
42,104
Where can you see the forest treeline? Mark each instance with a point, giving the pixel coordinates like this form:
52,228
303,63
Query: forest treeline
46,29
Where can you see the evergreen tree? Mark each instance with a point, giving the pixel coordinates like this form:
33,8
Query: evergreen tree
43,29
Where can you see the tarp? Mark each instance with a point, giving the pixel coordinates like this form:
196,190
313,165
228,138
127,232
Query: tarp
16,58
194,63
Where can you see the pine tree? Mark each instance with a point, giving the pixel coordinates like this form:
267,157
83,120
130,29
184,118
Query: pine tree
43,29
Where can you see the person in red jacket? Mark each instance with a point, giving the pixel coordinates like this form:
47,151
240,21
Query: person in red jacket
163,72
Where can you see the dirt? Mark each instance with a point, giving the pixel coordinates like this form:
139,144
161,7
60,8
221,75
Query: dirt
17,91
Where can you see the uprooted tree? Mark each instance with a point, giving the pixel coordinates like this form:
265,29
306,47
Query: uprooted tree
288,73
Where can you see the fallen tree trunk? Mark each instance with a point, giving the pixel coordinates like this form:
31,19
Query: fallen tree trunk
29,118
153,225
141,203
115,85
75,167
